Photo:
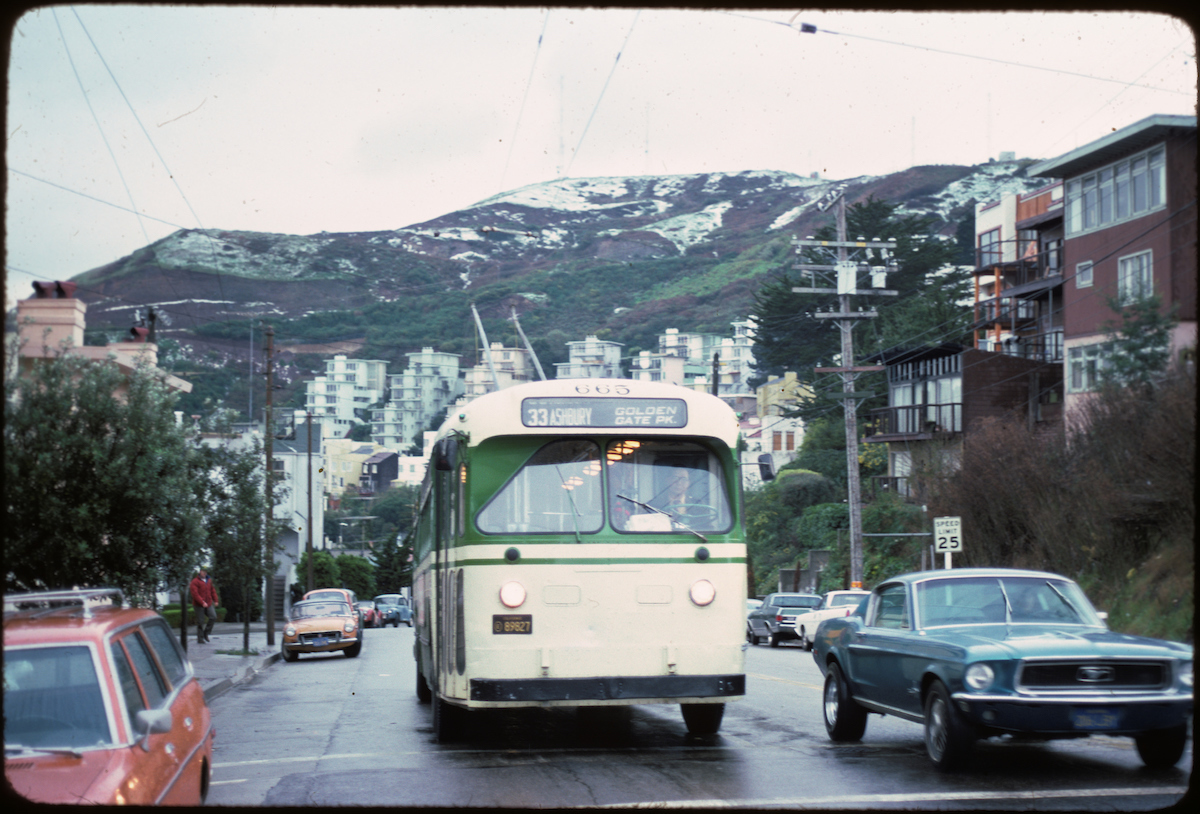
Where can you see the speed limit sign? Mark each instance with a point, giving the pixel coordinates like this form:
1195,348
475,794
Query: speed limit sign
947,535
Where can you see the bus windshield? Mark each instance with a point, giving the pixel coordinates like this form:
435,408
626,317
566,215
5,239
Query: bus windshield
665,486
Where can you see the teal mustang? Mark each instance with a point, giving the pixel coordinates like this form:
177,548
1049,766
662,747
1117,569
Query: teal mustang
978,652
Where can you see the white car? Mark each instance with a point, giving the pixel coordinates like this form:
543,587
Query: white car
834,603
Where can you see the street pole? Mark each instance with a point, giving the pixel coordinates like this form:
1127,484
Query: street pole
846,272
309,546
268,526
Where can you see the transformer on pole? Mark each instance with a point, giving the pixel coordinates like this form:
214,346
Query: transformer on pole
844,273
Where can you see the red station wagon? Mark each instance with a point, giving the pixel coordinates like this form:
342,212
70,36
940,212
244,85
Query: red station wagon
100,704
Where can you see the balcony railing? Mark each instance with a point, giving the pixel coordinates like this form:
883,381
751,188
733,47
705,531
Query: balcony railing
917,419
1027,269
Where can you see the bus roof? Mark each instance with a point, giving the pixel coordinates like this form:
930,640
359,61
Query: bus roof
609,406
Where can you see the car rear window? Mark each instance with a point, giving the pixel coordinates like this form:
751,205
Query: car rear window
52,698
796,601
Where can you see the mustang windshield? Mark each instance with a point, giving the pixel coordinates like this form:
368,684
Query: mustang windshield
950,601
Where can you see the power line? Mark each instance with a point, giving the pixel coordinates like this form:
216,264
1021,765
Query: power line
96,119
602,91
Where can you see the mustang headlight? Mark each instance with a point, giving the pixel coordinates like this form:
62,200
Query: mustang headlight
1185,674
979,677
289,631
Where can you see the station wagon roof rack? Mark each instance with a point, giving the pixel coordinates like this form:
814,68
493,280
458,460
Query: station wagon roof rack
85,598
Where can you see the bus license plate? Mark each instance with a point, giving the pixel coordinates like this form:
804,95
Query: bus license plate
1095,718
512,623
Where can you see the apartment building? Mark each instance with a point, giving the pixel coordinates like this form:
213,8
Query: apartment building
1129,231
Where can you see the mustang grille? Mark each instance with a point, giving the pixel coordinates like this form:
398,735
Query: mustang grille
1094,675
332,635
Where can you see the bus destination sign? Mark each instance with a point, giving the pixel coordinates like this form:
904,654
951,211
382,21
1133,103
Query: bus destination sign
572,411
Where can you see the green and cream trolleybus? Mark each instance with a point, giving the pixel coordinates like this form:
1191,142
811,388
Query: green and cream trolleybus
580,543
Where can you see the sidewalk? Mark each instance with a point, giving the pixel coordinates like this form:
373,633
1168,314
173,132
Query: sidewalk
216,669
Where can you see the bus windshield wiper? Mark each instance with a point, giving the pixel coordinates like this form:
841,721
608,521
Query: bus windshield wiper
674,519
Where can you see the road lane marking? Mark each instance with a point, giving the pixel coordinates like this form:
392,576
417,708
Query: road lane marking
869,799
227,782
266,761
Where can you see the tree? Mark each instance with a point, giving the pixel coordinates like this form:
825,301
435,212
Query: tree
358,574
229,483
97,480
393,564
326,573
1141,342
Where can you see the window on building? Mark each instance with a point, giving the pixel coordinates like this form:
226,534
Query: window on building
1083,274
1120,191
1135,277
1085,365
989,247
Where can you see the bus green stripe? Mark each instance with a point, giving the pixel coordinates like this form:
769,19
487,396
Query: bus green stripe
601,561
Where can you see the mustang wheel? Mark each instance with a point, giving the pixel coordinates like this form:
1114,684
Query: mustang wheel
948,738
1162,748
845,720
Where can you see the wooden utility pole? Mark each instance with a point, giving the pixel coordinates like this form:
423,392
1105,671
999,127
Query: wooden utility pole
269,525
309,545
846,272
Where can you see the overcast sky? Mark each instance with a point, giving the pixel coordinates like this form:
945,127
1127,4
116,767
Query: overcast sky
301,120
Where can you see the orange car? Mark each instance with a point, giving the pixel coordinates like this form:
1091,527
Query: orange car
342,594
322,626
100,704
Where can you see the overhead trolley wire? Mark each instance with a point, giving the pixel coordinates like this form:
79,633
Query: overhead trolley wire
96,119
146,133
528,84
596,107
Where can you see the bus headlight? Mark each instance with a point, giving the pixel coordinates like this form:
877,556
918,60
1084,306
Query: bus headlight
702,592
512,594
979,677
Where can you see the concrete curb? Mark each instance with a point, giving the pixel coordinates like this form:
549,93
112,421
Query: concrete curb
240,676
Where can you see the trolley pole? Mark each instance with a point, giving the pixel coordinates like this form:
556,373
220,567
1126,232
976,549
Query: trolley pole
846,272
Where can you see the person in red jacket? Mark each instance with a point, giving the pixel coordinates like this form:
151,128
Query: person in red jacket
205,601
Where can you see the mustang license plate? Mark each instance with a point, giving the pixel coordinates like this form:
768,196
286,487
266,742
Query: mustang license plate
512,623
1095,718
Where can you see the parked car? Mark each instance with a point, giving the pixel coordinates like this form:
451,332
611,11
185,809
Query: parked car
100,704
773,619
975,653
752,603
322,626
395,609
370,614
833,603
340,594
